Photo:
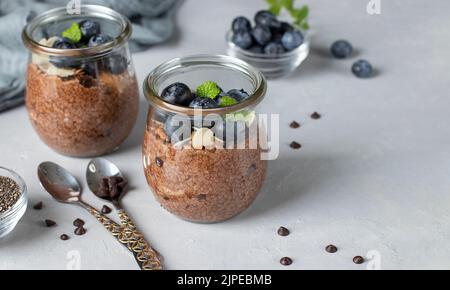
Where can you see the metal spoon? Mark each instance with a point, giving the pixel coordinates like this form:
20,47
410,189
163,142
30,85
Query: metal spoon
63,187
97,170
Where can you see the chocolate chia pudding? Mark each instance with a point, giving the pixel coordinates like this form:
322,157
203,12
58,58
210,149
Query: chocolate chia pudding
82,94
80,115
201,185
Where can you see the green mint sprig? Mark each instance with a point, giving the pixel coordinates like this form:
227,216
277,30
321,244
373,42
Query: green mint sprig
299,15
227,101
208,89
73,33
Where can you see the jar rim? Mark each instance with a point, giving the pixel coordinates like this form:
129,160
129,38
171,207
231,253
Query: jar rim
91,10
152,95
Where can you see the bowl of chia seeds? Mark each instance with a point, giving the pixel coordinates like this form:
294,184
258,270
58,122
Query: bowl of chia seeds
13,200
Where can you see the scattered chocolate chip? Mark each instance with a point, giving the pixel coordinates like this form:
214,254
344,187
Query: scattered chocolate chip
331,249
38,206
316,116
295,145
80,231
50,223
358,260
166,198
78,222
106,209
159,162
65,237
294,125
284,232
286,261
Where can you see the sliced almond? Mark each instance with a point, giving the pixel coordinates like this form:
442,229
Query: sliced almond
203,138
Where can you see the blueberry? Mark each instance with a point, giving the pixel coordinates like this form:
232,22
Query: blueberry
261,34
116,64
241,23
243,39
341,49
274,48
277,33
267,19
99,39
89,28
203,103
292,39
256,49
89,68
362,69
238,95
63,43
64,62
177,93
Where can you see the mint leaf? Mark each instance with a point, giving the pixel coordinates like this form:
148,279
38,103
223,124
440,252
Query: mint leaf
208,89
301,14
275,6
73,33
288,4
227,101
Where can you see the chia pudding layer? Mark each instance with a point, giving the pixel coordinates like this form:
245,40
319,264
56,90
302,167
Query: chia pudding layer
80,115
205,185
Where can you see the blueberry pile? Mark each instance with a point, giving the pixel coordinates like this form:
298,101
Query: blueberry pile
207,96
268,35
86,34
342,49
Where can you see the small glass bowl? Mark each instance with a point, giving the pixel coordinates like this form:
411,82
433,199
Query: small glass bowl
271,66
10,218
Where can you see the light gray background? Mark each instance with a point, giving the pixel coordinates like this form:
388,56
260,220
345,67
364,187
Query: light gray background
373,173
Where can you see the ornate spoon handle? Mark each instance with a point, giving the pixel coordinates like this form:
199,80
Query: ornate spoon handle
132,240
146,255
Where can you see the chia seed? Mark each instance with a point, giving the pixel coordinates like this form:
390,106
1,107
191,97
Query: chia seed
9,193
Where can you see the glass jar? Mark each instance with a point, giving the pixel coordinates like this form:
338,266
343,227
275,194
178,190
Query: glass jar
206,181
10,218
83,101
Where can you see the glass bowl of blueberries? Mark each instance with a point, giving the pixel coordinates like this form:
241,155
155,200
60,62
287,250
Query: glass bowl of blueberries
274,47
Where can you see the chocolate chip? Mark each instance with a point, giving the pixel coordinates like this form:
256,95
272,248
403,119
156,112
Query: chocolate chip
295,145
358,260
286,261
38,206
316,116
201,197
50,223
331,249
294,125
65,237
284,232
78,222
80,231
87,81
106,209
159,162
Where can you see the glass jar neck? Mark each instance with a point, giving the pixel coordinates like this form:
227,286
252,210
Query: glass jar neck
152,84
56,15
